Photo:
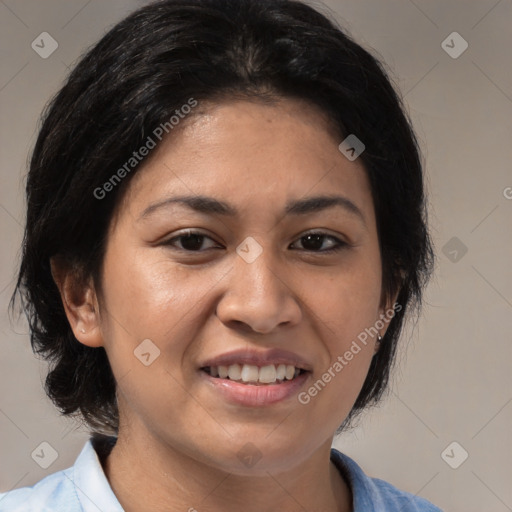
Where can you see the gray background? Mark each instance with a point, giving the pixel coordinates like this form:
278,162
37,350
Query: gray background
453,380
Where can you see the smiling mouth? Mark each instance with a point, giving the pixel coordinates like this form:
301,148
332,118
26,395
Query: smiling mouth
255,375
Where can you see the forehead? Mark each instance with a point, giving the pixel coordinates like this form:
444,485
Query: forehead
251,155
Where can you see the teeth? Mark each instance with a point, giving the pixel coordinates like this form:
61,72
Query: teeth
235,372
268,374
250,373
281,372
223,372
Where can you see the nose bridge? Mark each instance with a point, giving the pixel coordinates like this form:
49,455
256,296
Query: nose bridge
257,271
257,294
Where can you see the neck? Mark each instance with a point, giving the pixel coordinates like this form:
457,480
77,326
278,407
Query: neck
147,475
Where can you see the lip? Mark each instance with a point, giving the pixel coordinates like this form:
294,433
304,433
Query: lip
252,395
258,358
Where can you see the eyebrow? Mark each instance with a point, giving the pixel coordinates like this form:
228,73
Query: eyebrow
210,205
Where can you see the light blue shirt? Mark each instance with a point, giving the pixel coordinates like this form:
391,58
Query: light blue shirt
84,488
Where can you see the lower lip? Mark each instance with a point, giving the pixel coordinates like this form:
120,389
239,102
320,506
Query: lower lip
256,396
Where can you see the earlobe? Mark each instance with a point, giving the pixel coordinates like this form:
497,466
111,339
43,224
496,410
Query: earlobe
377,344
80,303
387,312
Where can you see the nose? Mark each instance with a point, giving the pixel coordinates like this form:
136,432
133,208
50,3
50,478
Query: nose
260,296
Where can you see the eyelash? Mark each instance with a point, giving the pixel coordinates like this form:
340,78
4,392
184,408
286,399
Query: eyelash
340,244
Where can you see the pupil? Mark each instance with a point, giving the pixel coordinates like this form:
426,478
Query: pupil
196,242
316,238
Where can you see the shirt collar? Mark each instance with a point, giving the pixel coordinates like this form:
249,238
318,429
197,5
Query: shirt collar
91,484
366,497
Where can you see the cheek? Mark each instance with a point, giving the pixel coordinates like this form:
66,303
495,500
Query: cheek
345,313
346,305
150,297
147,326
348,300
142,288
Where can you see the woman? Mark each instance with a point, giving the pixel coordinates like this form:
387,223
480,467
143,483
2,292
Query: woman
225,231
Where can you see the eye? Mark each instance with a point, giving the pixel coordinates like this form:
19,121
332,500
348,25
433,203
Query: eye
313,241
190,241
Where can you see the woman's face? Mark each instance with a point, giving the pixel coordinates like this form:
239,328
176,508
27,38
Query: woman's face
246,286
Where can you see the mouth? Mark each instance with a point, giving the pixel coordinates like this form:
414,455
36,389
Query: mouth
255,378
254,393
269,374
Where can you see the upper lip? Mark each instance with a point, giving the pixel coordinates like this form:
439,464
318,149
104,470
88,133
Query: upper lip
258,358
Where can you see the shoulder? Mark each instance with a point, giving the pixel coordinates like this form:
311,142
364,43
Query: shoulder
80,488
374,494
54,492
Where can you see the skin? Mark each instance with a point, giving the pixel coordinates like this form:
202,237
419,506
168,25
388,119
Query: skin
178,440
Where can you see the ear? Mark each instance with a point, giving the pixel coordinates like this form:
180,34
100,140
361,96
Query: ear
388,301
387,311
80,302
